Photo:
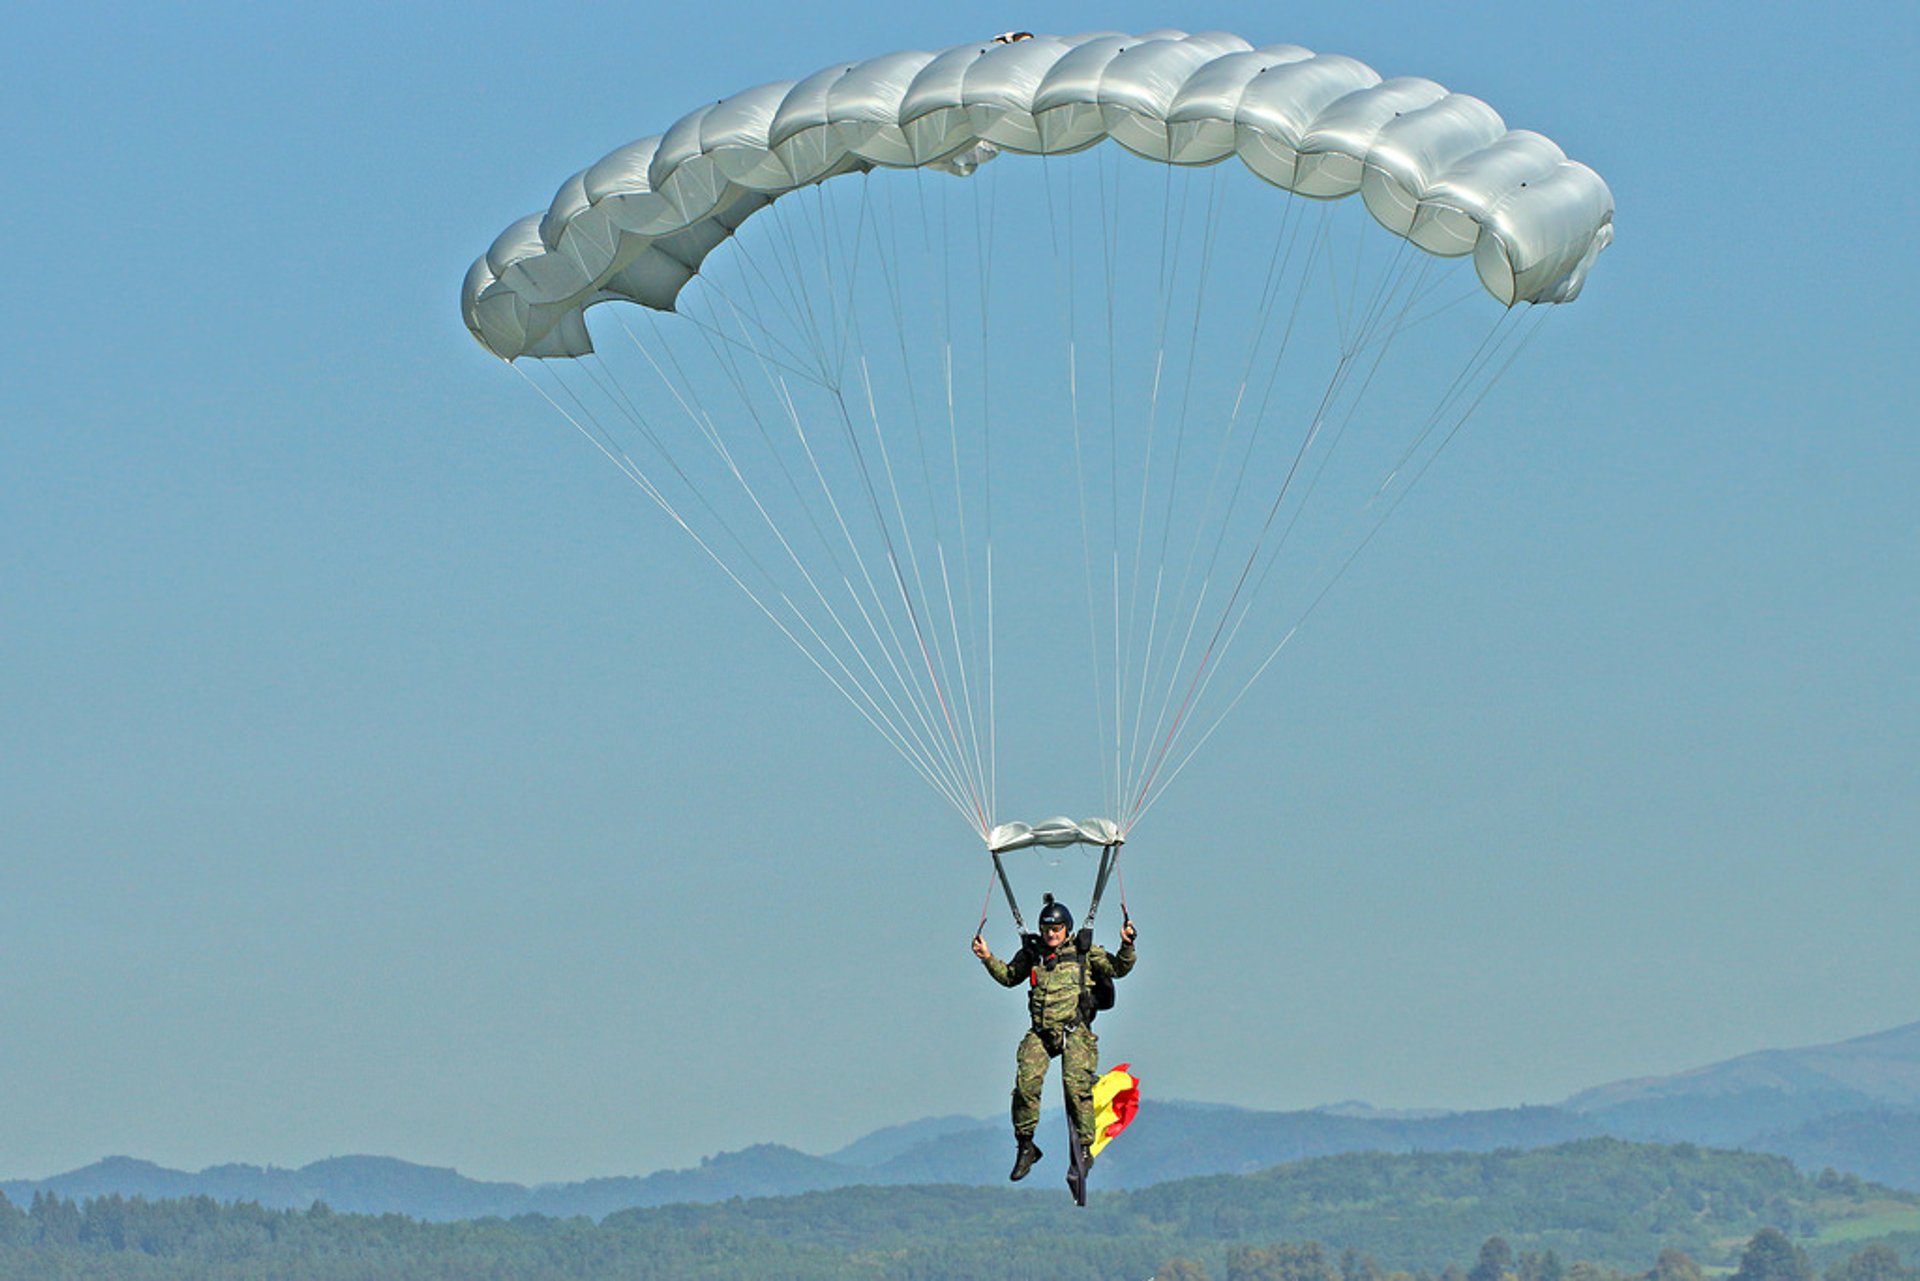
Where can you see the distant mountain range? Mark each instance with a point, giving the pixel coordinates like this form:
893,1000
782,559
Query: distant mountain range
1773,1091
1853,1106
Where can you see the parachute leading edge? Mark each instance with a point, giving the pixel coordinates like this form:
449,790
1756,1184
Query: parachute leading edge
1438,168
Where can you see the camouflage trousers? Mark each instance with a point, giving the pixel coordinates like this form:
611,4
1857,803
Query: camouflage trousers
1079,1052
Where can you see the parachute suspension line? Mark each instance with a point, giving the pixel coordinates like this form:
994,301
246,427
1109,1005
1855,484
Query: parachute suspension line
780,536
951,767
625,464
792,324
1157,646
1165,273
746,315
938,667
893,269
851,251
1109,234
1462,384
1211,228
1139,794
950,744
1172,253
1526,329
932,657
1163,290
850,325
599,436
726,359
1285,243
991,187
617,398
986,905
685,395
1069,320
993,759
793,270
616,395
947,672
1452,398
1360,342
987,770
966,650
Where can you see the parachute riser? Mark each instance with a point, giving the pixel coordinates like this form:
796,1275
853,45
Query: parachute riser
1006,886
1109,860
1109,856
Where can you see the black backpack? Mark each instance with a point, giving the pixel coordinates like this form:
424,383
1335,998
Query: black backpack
1096,992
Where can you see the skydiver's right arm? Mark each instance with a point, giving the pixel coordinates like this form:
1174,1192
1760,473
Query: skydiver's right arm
1009,973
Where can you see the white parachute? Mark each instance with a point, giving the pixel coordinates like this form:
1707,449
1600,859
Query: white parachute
923,367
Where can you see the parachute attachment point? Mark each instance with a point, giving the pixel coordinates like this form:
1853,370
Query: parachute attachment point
1054,833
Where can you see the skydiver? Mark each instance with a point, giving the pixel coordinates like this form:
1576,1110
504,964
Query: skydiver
1059,1002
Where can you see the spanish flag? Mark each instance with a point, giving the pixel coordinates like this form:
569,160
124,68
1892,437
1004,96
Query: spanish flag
1116,1098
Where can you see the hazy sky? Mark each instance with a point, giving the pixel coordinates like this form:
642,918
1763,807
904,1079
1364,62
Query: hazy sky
378,774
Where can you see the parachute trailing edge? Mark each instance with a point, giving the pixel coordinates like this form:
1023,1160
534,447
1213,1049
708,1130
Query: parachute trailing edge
1440,169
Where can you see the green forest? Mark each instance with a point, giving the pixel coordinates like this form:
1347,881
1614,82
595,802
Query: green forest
1597,1210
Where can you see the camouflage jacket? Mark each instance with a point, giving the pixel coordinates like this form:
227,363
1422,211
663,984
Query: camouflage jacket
1053,978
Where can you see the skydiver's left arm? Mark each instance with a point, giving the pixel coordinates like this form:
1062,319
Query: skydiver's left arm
1121,962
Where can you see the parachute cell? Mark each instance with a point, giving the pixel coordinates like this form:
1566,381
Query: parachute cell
1432,165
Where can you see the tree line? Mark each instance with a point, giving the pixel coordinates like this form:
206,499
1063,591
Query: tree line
130,1239
1598,1210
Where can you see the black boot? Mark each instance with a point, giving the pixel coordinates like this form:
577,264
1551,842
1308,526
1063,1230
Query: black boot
1024,1155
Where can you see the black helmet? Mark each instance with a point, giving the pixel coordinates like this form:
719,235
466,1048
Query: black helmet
1055,914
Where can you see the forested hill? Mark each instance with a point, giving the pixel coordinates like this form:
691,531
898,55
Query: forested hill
1612,1203
1848,1106
1169,1141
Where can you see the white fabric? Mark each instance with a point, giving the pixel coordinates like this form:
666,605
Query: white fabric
1439,168
1054,833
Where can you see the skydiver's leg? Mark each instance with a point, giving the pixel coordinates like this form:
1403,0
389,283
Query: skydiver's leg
1030,1074
1079,1058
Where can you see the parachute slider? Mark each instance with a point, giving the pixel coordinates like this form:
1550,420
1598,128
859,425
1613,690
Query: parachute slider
1054,833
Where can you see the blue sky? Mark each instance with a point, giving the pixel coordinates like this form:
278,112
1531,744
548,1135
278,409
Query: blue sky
378,775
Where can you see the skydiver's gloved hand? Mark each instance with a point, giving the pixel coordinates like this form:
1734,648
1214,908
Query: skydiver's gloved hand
980,948
1128,933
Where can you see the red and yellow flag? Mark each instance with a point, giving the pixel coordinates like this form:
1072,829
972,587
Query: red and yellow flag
1116,1099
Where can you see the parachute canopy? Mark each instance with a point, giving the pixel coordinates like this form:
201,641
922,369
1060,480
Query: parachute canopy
1439,168
1016,436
